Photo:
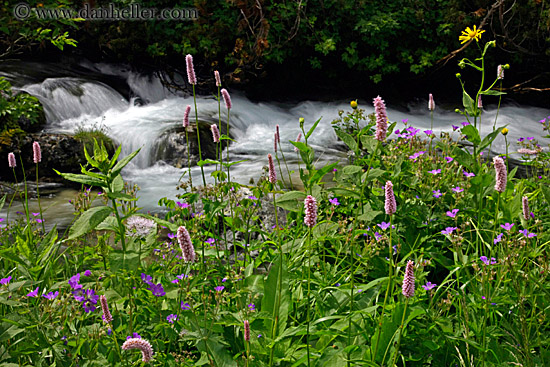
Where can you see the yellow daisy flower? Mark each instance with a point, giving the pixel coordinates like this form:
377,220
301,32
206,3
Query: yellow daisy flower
470,34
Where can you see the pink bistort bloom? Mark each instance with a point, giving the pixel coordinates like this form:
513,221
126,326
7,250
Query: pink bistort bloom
36,153
310,208
431,103
143,345
226,99
218,79
501,174
408,280
272,173
186,116
390,205
186,245
190,70
11,160
381,119
107,317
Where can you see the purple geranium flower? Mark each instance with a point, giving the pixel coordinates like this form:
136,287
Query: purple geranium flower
448,230
507,226
428,132
449,159
252,307
452,213
185,306
437,194
527,234
156,289
134,335
33,293
170,236
465,123
455,128
51,295
429,285
5,281
219,288
73,281
457,189
378,236
498,238
182,205
334,201
146,278
87,273
435,171
469,174
415,156
383,225
171,318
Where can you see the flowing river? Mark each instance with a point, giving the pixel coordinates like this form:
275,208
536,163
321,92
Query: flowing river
84,99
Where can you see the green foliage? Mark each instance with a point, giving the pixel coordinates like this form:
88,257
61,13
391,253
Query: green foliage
13,107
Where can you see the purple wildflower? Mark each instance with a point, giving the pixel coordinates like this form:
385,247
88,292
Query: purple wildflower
33,293
435,171
507,226
334,201
498,238
185,306
448,230
449,159
429,286
428,132
452,213
457,189
437,194
171,318
51,295
383,225
157,289
5,281
455,128
219,288
73,281
252,307
147,279
526,233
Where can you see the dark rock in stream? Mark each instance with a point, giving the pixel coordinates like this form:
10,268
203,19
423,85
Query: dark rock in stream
171,146
59,151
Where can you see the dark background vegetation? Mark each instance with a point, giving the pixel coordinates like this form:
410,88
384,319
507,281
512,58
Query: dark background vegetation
299,49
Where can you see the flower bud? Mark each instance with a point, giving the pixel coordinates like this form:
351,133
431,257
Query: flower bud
504,131
353,104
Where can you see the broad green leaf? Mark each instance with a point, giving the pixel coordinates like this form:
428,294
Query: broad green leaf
204,162
369,143
368,214
276,294
471,134
352,170
115,156
372,174
88,221
347,139
338,191
318,176
109,224
117,185
83,179
468,103
291,200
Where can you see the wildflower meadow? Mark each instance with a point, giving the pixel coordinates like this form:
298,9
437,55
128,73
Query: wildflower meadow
416,249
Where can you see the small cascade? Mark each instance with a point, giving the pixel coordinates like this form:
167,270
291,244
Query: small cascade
69,98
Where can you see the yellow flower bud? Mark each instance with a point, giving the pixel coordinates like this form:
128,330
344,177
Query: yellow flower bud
353,104
504,131
458,75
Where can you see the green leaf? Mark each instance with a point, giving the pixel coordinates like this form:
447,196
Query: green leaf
88,221
372,174
338,191
109,224
347,139
115,156
117,185
471,134
493,92
120,196
490,138
276,288
123,162
468,103
204,162
3,201
291,200
83,179
310,131
369,143
318,176
351,170
368,214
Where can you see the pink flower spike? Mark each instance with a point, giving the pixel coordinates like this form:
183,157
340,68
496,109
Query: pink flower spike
275,139
218,79
500,72
479,104
186,245
215,133
525,207
36,153
501,174
310,208
408,280
143,345
297,141
226,99
390,205
11,160
278,134
272,173
246,331
381,119
431,103
107,317
190,70
186,116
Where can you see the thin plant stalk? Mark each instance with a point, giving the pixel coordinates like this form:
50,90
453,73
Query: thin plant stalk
198,135
400,333
308,294
39,205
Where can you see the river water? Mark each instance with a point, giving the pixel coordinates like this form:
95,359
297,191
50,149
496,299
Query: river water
82,101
